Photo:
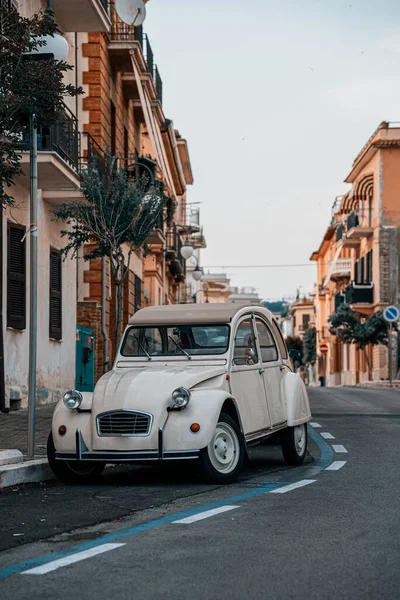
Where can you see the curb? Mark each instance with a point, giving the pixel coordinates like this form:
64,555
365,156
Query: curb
30,471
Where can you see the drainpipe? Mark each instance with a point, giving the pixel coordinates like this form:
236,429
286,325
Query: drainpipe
3,407
106,358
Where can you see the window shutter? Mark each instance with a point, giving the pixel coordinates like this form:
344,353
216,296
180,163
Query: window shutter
16,278
55,329
369,267
362,270
356,269
138,293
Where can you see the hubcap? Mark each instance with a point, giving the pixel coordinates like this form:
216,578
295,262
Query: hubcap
224,448
300,439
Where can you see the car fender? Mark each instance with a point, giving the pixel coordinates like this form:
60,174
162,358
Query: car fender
72,420
297,402
204,408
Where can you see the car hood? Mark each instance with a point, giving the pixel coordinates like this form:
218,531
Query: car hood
147,389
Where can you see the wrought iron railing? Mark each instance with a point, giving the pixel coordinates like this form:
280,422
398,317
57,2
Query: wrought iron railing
158,84
92,151
61,137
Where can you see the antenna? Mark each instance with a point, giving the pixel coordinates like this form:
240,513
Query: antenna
131,12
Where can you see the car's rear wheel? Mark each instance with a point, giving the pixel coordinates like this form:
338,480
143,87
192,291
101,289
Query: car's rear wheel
223,458
72,471
294,444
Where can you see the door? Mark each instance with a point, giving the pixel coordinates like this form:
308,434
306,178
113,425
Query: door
84,359
273,371
247,380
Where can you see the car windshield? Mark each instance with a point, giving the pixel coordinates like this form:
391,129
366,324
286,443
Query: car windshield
179,340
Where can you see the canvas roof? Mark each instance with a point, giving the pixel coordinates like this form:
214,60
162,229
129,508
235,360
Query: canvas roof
190,313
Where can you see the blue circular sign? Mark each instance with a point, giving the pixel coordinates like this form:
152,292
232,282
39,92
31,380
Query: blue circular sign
391,314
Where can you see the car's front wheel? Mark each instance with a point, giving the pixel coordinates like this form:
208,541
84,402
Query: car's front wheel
223,458
72,471
294,444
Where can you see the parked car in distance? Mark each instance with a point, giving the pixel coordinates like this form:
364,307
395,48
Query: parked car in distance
200,382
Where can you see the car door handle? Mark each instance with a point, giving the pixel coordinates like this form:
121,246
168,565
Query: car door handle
261,371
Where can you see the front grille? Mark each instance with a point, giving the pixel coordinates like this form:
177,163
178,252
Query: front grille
124,423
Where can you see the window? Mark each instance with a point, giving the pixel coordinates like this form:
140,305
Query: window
281,341
138,293
176,341
306,321
16,277
245,352
55,320
269,351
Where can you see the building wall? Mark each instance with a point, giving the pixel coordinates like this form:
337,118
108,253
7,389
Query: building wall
55,359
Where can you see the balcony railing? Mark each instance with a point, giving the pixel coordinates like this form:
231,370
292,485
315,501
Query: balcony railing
360,218
360,293
62,137
341,267
121,32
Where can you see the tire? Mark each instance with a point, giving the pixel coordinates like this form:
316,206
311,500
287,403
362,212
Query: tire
216,466
72,471
294,444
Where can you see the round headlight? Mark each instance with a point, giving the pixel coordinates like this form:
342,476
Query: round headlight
73,399
180,397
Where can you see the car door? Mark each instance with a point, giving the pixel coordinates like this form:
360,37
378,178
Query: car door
273,371
247,379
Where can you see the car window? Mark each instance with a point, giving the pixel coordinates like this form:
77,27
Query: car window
179,340
279,338
269,351
245,351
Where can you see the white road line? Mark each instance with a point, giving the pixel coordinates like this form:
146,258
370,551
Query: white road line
292,486
327,436
206,514
339,449
336,465
71,559
315,425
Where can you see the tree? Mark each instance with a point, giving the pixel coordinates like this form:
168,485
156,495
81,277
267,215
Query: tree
310,346
351,328
27,86
116,217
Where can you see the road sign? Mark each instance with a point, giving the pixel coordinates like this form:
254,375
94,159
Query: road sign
323,348
391,314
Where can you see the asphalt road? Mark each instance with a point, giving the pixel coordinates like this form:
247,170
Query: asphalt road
335,536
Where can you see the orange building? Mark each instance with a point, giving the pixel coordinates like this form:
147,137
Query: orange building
357,260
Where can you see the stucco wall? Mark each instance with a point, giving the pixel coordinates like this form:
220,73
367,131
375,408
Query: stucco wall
55,359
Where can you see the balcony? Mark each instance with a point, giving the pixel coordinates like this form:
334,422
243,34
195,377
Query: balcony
125,39
58,154
359,225
177,264
360,293
83,15
341,269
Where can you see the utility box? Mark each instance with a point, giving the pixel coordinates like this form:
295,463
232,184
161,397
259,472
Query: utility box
84,359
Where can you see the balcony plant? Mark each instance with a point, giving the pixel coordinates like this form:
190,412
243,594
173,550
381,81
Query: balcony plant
116,218
352,328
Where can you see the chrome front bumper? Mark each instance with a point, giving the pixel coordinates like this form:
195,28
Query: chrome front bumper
82,453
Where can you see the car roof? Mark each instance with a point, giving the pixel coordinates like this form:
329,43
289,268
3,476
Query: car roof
176,314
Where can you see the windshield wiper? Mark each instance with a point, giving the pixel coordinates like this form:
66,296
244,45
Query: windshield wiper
141,347
179,348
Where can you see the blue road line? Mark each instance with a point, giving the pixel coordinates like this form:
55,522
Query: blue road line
324,461
326,457
35,562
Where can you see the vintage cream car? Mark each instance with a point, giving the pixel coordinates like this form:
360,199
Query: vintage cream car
200,381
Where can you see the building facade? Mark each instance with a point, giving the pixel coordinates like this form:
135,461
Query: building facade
357,260
120,114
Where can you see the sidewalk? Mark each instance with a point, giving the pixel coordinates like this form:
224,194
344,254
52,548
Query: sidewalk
14,429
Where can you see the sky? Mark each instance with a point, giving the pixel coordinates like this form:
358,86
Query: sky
276,98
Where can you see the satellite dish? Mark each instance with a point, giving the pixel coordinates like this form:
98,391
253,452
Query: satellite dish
131,12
